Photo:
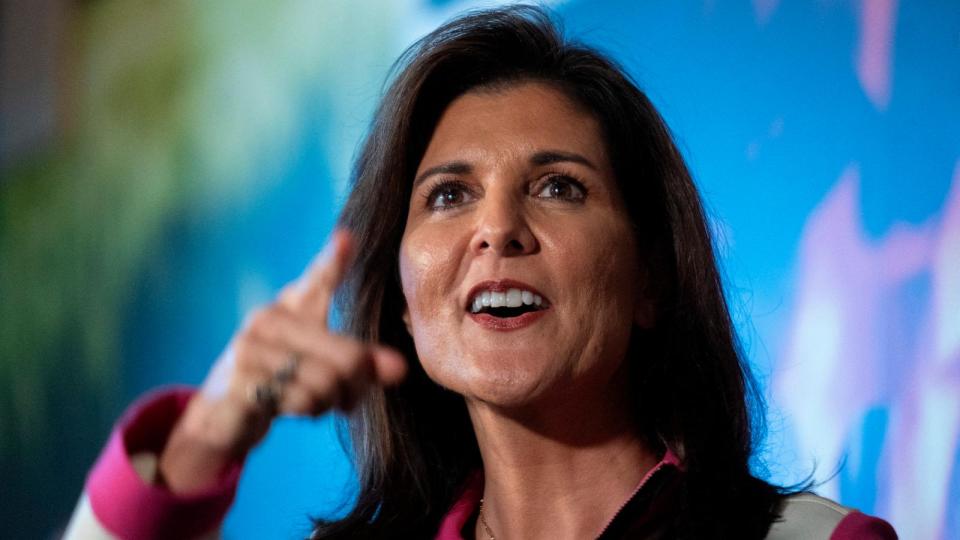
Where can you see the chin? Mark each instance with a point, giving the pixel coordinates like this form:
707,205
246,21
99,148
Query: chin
499,380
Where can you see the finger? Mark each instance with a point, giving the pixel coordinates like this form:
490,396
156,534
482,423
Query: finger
322,278
314,385
351,367
321,384
300,400
256,363
389,366
291,296
284,330
356,363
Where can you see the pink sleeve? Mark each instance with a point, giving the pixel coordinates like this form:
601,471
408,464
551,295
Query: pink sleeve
860,526
127,505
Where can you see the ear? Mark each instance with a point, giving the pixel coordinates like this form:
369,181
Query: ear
406,319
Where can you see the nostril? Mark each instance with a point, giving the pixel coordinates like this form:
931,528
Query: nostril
503,244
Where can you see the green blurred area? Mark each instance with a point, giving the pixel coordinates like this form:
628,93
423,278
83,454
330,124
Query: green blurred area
174,112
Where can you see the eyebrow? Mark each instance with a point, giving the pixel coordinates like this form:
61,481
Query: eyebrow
549,157
545,157
453,167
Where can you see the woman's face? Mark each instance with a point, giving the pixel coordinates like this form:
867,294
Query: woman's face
518,262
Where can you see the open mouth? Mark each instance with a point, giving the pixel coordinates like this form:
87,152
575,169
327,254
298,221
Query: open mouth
506,303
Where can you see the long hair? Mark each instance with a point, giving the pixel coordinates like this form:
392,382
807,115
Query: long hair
414,445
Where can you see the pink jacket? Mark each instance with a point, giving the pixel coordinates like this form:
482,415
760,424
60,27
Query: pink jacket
120,499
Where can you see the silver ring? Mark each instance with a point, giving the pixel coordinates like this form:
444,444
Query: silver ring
289,370
266,395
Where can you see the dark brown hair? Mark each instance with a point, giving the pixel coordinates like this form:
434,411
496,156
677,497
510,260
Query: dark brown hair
414,444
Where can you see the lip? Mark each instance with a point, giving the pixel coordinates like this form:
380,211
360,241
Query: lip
506,325
503,285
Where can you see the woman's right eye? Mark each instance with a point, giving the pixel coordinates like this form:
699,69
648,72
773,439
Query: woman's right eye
448,195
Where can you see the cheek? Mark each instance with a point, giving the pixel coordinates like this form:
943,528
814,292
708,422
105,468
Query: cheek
428,277
602,265
620,274
414,278
427,273
601,268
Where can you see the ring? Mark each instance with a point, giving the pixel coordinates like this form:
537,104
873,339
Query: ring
289,370
266,395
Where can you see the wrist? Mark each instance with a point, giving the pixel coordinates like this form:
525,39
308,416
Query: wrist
203,445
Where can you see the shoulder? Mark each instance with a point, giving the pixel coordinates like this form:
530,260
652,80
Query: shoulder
806,516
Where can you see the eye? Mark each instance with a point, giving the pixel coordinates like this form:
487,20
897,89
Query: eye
563,188
448,194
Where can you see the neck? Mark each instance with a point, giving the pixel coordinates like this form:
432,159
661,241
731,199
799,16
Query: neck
557,469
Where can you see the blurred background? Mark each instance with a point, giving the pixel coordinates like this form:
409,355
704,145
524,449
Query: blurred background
166,166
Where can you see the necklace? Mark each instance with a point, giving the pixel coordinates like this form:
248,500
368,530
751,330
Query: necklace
483,522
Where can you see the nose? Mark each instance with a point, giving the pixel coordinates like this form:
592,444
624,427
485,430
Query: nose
503,227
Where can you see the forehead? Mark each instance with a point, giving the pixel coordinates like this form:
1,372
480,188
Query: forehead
514,120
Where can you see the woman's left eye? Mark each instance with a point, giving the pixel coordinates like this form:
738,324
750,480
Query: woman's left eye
563,188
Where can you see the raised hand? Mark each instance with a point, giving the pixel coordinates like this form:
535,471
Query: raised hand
283,360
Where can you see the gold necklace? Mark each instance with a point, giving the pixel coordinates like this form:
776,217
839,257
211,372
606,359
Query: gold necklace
483,522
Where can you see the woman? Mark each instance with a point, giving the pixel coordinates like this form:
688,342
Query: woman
536,339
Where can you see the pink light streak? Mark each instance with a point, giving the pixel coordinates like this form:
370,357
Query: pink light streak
874,62
842,356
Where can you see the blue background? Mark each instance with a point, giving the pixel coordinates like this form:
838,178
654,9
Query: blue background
204,164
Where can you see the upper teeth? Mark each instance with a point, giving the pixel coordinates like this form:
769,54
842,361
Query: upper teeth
510,298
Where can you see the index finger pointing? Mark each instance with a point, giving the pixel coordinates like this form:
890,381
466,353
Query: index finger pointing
325,273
